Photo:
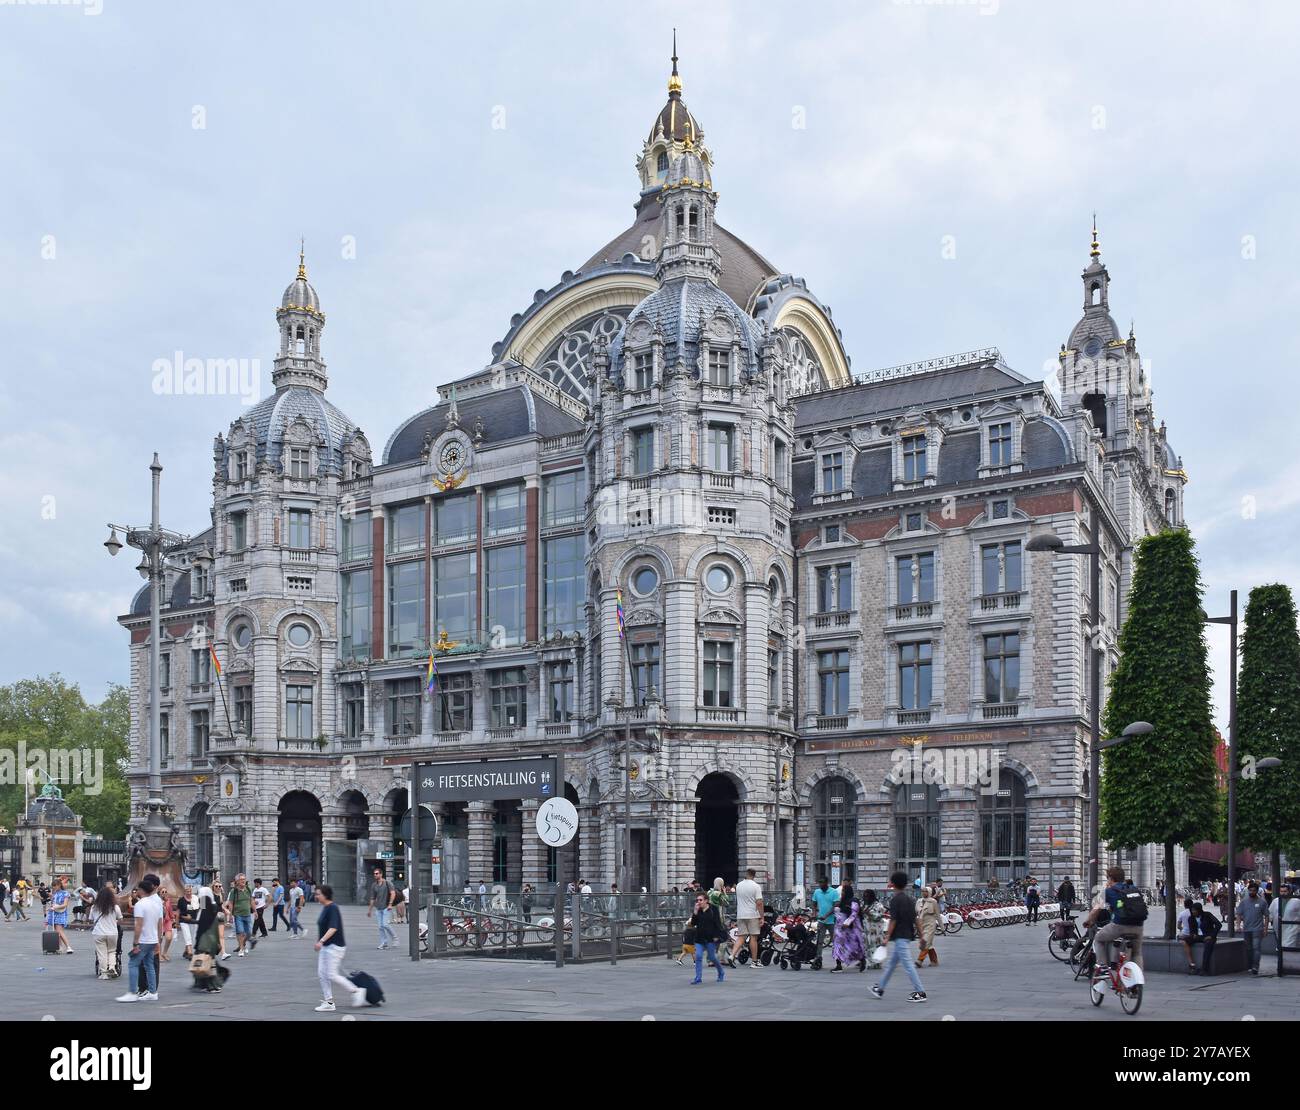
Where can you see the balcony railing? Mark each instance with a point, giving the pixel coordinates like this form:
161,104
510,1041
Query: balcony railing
913,716
1001,712
915,610
1009,600
638,483
722,481
450,737
504,732
626,713
720,716
831,724
293,555
401,740
298,744
558,730
841,619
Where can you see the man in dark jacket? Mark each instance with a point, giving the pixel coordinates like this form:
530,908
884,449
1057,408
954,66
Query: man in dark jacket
1205,931
708,934
1065,896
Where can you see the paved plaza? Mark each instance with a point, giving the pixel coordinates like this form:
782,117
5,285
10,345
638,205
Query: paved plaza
1003,973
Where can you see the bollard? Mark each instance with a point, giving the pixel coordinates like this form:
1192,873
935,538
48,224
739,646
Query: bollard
559,928
437,932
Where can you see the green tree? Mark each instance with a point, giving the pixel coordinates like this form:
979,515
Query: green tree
1160,788
1268,724
49,713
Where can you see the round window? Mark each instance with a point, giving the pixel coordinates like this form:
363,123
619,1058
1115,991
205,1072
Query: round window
718,579
773,587
299,635
645,580
243,635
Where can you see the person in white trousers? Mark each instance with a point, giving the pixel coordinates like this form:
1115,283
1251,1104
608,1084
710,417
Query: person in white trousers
331,949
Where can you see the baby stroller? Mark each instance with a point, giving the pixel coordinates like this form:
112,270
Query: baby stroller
800,948
767,942
117,963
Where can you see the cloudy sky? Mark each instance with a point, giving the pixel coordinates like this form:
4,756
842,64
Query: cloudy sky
161,161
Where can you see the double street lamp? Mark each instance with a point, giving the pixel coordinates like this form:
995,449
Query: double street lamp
155,543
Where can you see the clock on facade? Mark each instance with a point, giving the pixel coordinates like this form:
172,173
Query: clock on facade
453,454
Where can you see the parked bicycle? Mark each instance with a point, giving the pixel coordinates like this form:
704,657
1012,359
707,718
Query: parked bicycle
1062,936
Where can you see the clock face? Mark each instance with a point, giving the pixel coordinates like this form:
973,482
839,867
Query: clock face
452,457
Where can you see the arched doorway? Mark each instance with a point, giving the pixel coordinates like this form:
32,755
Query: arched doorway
356,824
300,837
1004,823
716,815
916,829
835,832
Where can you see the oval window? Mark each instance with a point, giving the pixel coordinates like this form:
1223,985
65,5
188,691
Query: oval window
645,581
243,635
299,635
718,579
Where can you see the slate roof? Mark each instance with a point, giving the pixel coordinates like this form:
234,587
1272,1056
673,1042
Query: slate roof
506,413
268,417
744,270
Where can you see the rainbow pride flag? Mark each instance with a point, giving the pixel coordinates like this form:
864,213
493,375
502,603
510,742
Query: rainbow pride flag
431,678
212,651
618,610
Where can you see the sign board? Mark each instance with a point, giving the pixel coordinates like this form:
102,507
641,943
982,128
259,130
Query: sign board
835,868
435,866
486,780
800,865
385,855
1060,843
557,822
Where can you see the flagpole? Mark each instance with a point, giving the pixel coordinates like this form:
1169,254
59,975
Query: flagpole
226,705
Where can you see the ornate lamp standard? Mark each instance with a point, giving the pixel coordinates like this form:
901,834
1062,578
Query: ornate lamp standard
156,543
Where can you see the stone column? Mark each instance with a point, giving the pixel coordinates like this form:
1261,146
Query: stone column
480,843
533,851
589,860
753,834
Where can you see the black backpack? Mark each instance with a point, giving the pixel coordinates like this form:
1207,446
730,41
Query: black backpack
368,983
1130,908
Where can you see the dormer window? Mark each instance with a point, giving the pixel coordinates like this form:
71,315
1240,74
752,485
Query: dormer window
643,371
694,219
832,472
299,463
719,369
241,466
1000,444
661,164
914,458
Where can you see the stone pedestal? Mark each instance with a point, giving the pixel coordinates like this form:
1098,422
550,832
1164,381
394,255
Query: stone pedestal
534,851
480,843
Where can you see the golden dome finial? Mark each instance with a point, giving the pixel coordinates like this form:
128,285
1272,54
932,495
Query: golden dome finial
1096,247
302,259
674,80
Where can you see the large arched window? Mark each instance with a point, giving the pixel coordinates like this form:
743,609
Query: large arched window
1003,830
916,829
835,831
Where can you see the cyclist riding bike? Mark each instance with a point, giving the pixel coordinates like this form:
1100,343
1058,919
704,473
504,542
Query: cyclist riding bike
1128,914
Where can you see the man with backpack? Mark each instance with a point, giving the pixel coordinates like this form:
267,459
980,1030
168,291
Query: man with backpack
1128,916
1065,896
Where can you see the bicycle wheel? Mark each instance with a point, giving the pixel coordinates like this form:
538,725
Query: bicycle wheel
1060,949
954,927
1097,991
1131,999
457,935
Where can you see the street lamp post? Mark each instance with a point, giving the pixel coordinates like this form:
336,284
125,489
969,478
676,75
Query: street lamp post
1231,621
156,543
1057,546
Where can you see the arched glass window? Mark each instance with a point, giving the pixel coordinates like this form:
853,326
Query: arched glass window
835,831
916,829
1003,830
662,164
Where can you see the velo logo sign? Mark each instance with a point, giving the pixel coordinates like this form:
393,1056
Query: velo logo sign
557,822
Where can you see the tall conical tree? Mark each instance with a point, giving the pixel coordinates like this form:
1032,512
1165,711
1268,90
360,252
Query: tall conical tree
1160,788
1268,723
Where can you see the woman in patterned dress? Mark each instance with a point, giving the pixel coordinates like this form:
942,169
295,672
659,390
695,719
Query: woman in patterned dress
57,916
847,947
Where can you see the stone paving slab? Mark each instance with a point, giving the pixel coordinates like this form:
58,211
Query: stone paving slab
987,974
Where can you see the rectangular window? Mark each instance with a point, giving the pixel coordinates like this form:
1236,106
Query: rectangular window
355,535
354,615
773,676
914,458
300,529
243,702
645,670
199,576
564,499
354,709
455,702
833,682
238,531
164,737
406,632
835,588
643,451
199,722
1000,568
1114,605
200,667
455,519
165,670
914,662
644,372
505,510
559,681
1000,444
241,466
719,666
299,463
563,584
1002,668
506,589
454,598
719,446
778,463
404,706
915,578
507,698
833,472
297,713
405,529
719,367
